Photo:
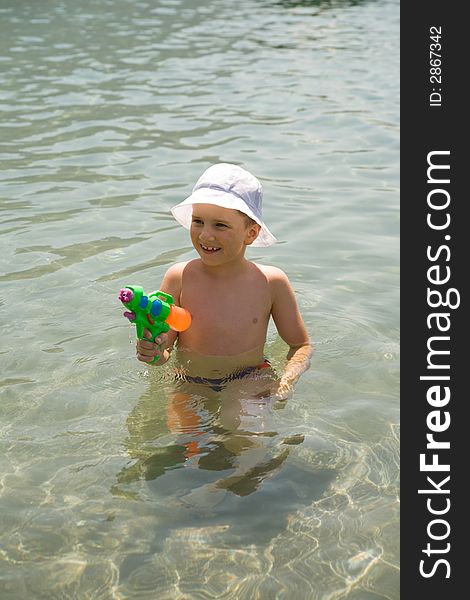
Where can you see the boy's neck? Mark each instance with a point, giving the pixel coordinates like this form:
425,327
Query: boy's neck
227,270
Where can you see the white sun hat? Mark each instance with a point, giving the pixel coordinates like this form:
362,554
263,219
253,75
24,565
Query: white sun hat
228,186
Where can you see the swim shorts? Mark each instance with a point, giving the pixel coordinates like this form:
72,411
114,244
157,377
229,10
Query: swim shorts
217,384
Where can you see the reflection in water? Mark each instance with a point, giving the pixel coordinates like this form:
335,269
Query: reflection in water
199,455
199,428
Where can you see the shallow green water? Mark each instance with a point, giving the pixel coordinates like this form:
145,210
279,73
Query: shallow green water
111,110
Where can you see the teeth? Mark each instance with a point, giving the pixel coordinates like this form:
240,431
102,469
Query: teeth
208,247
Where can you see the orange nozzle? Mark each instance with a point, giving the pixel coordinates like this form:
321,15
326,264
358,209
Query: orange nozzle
179,318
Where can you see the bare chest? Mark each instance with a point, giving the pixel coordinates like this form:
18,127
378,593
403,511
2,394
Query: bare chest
227,319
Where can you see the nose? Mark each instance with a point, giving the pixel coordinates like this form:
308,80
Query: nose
206,234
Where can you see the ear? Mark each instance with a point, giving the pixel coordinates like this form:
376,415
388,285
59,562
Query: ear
252,233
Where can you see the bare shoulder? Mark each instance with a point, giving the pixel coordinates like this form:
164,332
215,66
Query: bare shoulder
274,275
174,273
171,283
176,269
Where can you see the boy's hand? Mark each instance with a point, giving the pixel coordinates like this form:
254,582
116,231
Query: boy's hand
146,350
279,390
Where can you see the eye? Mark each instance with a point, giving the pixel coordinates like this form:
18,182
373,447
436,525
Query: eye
221,225
197,221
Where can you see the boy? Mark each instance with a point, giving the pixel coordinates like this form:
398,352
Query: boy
230,298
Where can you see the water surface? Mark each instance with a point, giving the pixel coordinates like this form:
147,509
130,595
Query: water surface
120,482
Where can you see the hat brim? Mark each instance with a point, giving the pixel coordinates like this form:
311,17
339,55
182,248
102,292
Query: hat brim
183,211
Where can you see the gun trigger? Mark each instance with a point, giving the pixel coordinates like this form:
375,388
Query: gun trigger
150,320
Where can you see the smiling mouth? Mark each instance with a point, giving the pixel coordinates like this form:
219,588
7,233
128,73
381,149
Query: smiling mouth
209,249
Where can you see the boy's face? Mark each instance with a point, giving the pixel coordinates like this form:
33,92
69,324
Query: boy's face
220,234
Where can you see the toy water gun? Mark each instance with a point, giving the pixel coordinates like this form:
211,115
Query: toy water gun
152,313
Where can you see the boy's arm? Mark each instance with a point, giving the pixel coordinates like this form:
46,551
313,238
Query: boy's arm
291,328
146,350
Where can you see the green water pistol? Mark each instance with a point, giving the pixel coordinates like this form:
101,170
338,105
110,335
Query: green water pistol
156,312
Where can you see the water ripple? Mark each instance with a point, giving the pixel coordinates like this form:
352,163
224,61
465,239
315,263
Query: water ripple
111,111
